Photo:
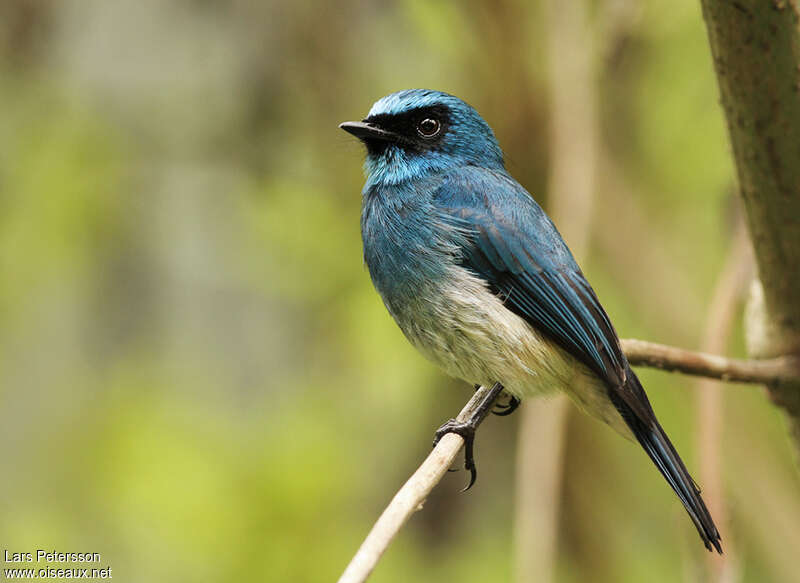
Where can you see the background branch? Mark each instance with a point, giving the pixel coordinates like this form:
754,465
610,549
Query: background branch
723,308
572,143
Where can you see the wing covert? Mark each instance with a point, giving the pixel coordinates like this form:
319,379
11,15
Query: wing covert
508,241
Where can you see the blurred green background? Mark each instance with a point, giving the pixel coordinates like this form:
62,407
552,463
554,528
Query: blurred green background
197,379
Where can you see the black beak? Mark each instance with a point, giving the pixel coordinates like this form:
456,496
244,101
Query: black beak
366,131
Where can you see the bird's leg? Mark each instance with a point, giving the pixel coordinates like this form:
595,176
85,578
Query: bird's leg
467,429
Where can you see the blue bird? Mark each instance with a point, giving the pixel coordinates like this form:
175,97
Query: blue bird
481,282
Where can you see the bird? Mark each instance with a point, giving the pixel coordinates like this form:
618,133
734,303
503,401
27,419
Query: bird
480,281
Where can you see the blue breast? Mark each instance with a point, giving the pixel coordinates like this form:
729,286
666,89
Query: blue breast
408,248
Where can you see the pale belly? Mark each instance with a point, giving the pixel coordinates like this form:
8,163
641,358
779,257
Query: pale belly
467,331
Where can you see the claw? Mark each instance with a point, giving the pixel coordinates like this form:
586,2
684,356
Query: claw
469,460
507,409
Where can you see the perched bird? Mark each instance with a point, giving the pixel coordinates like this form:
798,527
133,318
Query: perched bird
481,282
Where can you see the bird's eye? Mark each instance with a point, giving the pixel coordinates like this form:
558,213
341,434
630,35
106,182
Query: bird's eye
428,127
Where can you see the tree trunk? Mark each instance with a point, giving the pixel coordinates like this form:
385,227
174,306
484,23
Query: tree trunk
756,49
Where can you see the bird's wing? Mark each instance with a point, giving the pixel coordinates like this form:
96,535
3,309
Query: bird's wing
508,241
505,238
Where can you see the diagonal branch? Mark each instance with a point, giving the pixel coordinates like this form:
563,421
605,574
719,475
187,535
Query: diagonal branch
410,497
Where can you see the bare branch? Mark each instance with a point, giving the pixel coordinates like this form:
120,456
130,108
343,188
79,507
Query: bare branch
573,146
724,306
767,371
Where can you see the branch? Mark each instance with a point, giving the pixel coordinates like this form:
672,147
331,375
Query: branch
571,49
725,304
768,371
410,497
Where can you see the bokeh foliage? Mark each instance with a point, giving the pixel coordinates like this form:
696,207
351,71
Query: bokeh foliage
197,378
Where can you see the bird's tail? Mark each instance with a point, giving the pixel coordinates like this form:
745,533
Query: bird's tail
658,446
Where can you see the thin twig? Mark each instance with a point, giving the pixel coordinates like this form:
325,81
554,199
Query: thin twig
725,304
409,498
766,371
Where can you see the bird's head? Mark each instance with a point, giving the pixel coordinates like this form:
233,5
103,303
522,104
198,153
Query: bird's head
413,133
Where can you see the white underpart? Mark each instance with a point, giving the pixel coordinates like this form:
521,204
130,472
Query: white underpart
466,329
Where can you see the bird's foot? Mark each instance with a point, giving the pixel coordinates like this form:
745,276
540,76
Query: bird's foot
503,409
467,432
466,429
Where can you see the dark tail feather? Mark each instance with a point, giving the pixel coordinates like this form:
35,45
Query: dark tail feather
658,446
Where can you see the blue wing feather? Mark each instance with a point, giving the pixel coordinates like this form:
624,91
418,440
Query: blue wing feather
510,243
507,240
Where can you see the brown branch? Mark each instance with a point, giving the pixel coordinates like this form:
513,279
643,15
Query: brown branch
725,304
573,140
767,371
